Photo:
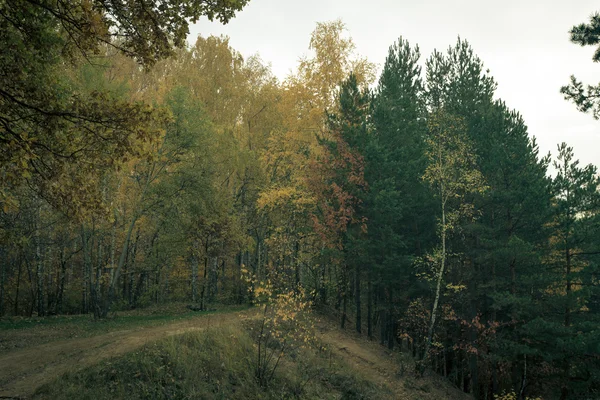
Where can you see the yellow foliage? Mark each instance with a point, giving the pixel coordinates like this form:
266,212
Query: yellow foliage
285,324
513,396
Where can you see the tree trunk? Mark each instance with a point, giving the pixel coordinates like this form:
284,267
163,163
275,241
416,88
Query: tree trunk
39,272
297,264
261,272
86,271
438,287
391,329
357,298
344,294
195,272
568,286
61,284
3,268
213,280
32,292
126,284
344,309
369,305
137,292
240,284
564,392
115,278
18,285
383,326
473,367
204,277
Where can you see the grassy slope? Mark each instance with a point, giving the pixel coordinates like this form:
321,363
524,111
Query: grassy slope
19,333
206,365
218,363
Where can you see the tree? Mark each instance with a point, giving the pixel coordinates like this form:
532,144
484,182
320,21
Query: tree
290,199
50,129
398,206
340,186
507,246
501,251
332,62
147,31
585,98
453,173
159,179
577,204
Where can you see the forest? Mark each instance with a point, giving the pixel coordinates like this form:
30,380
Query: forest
407,201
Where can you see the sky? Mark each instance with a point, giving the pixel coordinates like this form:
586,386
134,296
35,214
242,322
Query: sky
524,43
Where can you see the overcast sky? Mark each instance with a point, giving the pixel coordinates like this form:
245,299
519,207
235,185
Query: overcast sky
524,43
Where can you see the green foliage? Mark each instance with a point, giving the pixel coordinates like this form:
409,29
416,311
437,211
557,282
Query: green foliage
573,334
61,137
453,173
452,168
399,205
585,98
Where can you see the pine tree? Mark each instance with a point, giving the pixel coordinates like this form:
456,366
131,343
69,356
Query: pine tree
398,206
574,335
585,98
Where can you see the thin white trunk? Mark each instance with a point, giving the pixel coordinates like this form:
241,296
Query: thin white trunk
439,277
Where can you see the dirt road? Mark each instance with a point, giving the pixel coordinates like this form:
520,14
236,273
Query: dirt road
23,371
375,363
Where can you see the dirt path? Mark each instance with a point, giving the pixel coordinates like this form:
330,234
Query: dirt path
375,363
23,371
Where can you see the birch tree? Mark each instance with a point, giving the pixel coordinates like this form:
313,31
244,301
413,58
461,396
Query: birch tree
453,174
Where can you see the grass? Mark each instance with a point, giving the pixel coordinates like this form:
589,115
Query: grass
214,364
19,332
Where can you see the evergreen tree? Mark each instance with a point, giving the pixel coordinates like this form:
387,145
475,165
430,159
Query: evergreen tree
585,98
569,336
503,247
344,188
398,205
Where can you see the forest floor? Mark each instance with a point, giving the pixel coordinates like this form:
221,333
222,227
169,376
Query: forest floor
25,368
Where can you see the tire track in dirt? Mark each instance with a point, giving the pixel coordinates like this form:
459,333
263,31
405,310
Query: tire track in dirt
23,371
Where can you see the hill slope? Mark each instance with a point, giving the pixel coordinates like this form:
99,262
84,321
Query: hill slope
208,357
